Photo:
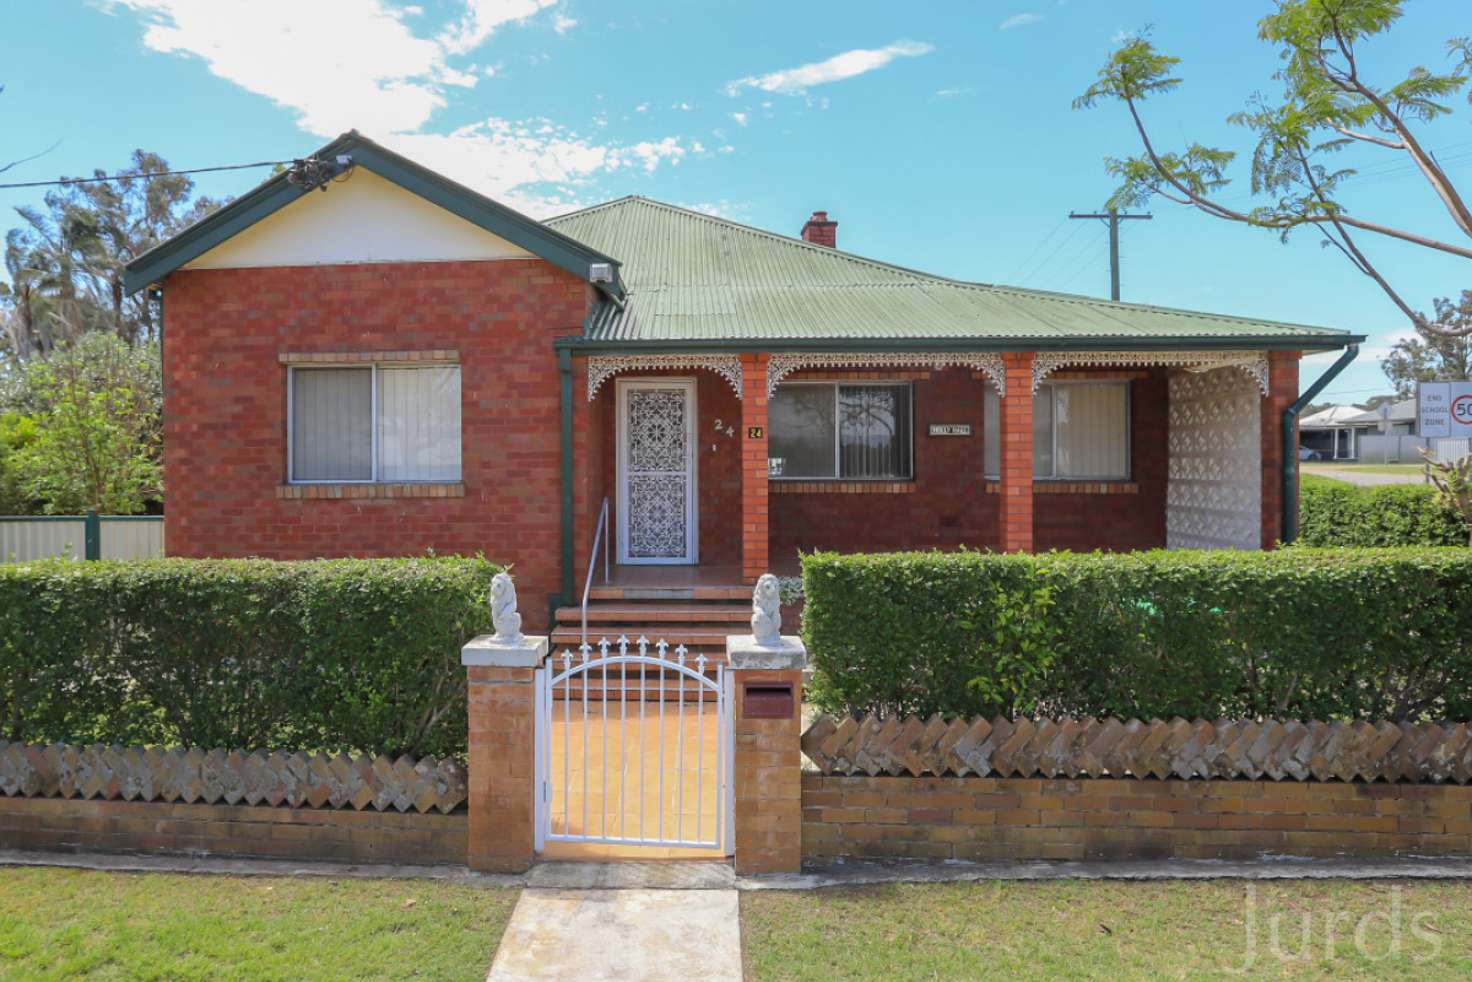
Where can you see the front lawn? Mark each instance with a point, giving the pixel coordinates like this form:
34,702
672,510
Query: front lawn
64,923
1105,929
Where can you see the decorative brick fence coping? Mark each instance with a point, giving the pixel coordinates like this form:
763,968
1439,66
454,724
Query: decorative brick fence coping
1112,748
231,777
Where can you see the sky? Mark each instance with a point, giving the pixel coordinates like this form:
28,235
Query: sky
938,133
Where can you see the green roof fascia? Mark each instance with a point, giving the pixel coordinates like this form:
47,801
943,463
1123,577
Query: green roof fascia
1314,342
276,193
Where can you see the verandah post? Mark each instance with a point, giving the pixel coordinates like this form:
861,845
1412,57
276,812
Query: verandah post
754,514
1016,453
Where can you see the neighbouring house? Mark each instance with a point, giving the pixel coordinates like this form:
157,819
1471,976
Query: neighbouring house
1352,433
1332,433
362,357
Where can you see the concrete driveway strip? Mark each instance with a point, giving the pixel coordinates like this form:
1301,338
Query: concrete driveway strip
622,934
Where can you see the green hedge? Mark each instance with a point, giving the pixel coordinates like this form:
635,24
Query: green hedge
1336,513
1301,633
353,654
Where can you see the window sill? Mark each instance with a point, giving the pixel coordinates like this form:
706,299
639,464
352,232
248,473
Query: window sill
840,487
1072,487
357,491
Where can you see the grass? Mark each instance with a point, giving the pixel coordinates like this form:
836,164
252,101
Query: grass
1105,929
64,923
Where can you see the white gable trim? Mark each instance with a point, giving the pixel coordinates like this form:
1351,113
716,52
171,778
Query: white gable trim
362,218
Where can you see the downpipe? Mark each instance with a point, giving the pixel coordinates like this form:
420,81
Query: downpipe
1290,442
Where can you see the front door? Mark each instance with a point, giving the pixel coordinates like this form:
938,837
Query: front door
656,471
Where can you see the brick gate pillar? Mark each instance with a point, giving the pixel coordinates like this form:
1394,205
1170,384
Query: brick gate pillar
754,522
1016,453
501,670
766,674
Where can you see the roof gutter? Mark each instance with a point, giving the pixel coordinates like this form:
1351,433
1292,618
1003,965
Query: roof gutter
1312,343
1290,444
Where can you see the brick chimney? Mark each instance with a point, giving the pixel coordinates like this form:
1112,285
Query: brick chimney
820,231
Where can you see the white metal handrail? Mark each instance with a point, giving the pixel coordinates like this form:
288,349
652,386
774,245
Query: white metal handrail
601,534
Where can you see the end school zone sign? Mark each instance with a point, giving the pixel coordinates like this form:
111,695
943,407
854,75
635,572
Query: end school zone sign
1444,409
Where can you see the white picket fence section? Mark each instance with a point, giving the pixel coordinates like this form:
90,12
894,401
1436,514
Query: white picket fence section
29,537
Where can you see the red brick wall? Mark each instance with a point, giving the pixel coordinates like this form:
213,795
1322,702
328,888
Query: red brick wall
225,409
971,818
244,831
1118,522
947,506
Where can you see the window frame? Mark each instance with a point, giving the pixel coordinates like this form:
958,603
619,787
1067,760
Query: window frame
1051,385
375,426
907,384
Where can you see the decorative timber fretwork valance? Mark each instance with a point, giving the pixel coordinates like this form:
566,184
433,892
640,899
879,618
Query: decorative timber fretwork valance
1254,363
783,364
601,368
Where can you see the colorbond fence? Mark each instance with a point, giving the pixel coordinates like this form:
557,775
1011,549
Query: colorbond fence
92,536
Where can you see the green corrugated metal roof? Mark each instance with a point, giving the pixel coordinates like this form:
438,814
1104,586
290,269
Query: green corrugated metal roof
693,277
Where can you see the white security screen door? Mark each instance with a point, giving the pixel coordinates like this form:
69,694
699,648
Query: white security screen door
656,471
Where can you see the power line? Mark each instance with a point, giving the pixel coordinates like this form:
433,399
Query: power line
1037,249
141,175
1036,270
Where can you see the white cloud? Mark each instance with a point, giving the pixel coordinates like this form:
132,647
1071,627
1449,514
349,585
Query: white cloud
561,23
277,48
342,64
1121,36
719,209
740,118
482,17
835,69
684,107
952,92
1019,20
642,107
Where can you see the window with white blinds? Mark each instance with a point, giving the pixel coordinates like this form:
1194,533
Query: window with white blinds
385,423
1080,431
851,432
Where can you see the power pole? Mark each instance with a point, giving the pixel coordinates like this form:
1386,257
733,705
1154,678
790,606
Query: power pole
1113,217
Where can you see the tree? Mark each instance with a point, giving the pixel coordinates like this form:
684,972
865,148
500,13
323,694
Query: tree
16,432
1443,355
66,259
96,406
1328,104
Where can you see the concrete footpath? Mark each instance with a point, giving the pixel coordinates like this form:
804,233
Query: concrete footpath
626,920
689,935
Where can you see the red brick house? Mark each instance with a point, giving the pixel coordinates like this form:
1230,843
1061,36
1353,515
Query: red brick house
364,358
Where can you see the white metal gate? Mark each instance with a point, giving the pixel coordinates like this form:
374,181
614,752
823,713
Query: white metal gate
633,748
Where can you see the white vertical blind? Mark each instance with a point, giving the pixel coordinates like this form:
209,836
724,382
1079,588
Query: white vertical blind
1042,433
332,424
1092,430
874,431
419,420
1091,423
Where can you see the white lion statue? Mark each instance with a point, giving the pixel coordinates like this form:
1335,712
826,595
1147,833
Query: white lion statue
766,611
503,610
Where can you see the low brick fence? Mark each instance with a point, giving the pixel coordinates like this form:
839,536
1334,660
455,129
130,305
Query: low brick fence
1111,789
228,803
